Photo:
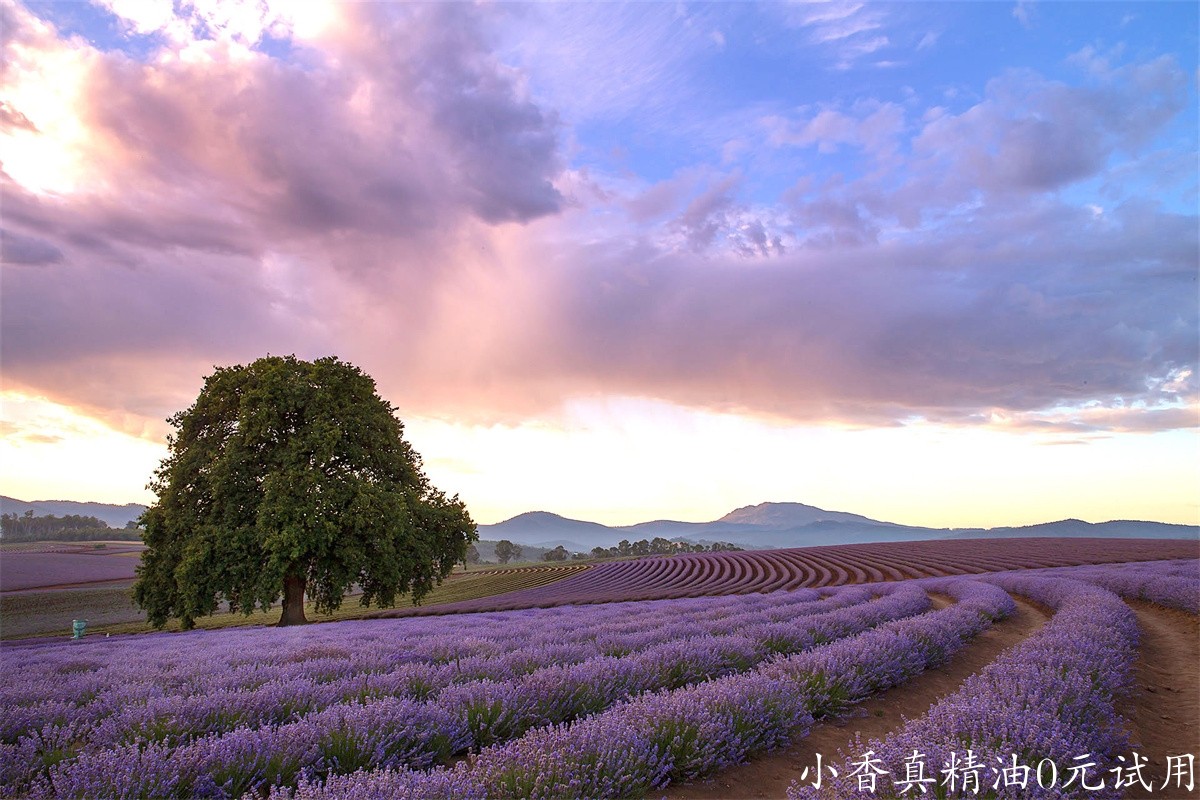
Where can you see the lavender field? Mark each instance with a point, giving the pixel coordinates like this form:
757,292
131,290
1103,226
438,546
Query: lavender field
77,566
600,700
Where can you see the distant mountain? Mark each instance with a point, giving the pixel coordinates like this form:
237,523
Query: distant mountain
542,527
1074,528
782,516
776,525
831,532
112,515
766,525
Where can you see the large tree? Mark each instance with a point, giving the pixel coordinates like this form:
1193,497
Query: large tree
288,478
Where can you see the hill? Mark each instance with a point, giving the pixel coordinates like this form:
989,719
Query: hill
114,516
762,526
780,525
783,516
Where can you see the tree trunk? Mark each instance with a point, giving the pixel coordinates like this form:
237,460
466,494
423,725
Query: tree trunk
293,601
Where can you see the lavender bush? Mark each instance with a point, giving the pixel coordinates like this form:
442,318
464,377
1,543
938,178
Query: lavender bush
1174,584
293,697
599,700
1046,701
690,732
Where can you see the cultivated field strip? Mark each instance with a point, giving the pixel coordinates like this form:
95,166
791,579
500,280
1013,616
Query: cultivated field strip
35,569
1052,697
656,738
699,574
288,699
615,699
1171,584
477,585
316,677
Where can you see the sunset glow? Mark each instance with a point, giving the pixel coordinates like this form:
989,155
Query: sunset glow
931,263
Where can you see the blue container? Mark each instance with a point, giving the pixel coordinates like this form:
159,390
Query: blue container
77,627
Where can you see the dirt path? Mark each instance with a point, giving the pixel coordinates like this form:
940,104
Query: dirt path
770,775
1164,711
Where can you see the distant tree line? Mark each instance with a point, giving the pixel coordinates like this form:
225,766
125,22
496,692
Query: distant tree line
557,554
658,546
508,551
69,528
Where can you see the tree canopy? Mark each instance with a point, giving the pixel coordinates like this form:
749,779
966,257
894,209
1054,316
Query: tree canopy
658,546
557,554
29,527
506,550
288,478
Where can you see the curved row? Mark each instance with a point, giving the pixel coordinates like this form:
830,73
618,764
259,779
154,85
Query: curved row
741,572
1171,584
130,677
688,733
82,704
1043,705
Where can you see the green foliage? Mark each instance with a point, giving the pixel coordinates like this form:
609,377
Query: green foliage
28,527
491,720
292,470
506,550
658,547
557,554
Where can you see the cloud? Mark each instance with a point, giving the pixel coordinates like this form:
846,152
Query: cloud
707,214
886,333
873,127
1109,419
412,117
612,63
395,193
19,434
1023,12
18,249
1029,135
849,31
358,162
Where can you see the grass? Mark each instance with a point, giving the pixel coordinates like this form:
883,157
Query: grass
110,610
50,613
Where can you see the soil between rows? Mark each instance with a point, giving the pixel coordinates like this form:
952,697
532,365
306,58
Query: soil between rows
1163,712
770,775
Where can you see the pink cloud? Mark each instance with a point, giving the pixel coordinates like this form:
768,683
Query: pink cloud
390,196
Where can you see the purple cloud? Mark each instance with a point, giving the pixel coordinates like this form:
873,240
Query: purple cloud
393,194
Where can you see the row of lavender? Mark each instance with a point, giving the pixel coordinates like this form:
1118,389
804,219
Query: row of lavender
1174,584
1041,721
656,738
279,754
455,709
1048,702
749,571
414,657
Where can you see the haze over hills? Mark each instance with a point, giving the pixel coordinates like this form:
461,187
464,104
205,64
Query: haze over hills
773,525
115,516
781,516
766,525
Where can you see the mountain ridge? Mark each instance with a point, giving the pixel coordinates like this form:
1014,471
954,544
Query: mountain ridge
111,514
764,525
775,525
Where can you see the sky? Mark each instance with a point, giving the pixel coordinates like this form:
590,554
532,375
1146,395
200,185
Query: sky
934,263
